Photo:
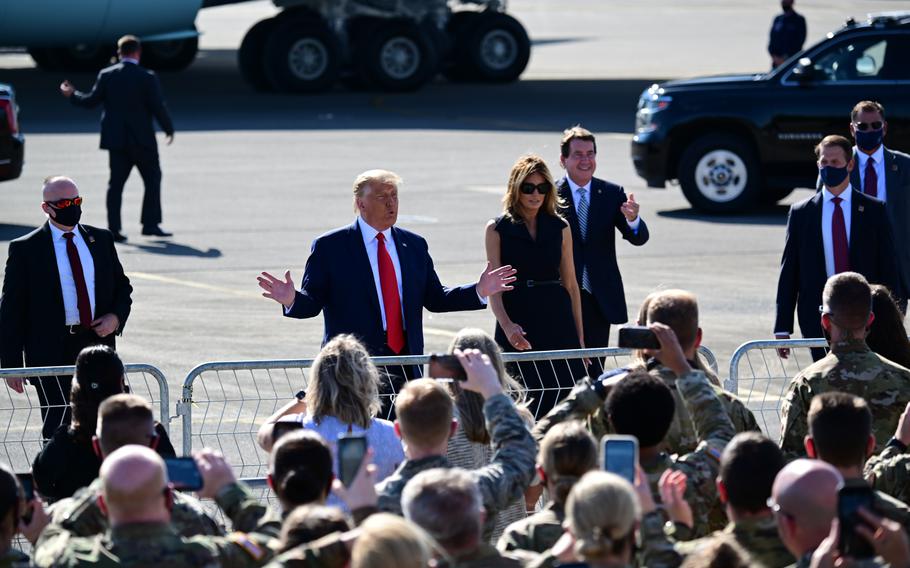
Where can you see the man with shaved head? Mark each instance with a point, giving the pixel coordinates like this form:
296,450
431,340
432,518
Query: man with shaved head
804,501
64,289
137,499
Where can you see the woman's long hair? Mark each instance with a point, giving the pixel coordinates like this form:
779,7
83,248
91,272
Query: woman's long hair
470,404
887,336
344,383
99,375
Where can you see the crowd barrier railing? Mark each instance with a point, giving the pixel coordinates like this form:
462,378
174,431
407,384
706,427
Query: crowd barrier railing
224,403
20,414
760,376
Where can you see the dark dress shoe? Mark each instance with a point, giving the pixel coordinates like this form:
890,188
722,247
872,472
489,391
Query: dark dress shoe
118,237
155,232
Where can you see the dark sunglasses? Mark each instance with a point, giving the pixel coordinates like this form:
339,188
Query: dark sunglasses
64,203
864,126
542,188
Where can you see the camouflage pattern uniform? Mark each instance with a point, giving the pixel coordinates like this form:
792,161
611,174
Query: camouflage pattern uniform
537,533
142,545
14,559
81,515
712,425
327,552
501,482
853,368
758,537
889,472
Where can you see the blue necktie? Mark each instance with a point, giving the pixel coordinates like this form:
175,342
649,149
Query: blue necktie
582,210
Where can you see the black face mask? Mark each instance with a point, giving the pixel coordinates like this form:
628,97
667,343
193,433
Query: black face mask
69,216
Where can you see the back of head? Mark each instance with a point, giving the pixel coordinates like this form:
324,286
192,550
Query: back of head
470,404
847,299
344,383
388,541
311,522
300,467
641,406
887,335
128,45
99,374
11,497
602,511
567,452
124,419
748,466
447,504
424,410
805,491
720,553
840,425
677,309
134,485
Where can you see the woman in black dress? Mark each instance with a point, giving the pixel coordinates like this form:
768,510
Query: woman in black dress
543,311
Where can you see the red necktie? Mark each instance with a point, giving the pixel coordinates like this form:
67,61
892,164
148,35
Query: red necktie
388,282
870,183
839,238
82,301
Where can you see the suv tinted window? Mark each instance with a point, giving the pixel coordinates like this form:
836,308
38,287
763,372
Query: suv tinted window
875,58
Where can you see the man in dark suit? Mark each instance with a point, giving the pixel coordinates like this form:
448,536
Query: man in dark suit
64,289
788,33
838,229
131,97
373,279
595,210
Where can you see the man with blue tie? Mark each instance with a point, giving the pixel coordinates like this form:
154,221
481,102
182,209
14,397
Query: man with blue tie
595,210
373,279
885,175
836,230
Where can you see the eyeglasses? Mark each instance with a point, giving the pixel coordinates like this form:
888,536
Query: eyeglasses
64,203
865,126
542,188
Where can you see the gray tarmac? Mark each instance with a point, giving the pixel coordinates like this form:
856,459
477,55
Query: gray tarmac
252,178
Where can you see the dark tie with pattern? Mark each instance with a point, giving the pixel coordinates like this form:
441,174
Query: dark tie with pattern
82,301
839,238
870,183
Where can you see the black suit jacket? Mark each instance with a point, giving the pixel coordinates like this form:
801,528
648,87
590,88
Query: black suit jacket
339,281
131,96
802,269
598,251
32,316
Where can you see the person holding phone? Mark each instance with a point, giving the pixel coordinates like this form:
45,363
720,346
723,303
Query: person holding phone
889,470
543,311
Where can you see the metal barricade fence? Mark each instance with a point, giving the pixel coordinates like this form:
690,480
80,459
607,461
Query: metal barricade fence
224,403
20,414
760,376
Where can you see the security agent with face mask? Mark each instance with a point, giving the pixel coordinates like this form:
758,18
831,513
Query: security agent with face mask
837,230
64,289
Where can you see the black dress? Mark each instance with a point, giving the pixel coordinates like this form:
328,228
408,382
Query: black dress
541,306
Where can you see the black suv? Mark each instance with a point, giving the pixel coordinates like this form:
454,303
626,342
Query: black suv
12,144
735,141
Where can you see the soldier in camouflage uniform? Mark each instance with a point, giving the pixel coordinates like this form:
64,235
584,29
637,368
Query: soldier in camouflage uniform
567,452
644,408
889,471
850,367
425,423
138,501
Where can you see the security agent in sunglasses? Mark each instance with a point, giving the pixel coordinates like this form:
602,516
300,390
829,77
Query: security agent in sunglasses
64,289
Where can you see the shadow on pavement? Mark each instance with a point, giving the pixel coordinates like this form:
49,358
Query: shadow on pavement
212,95
10,232
175,249
766,215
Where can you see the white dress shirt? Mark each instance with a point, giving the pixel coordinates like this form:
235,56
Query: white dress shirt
575,187
827,215
372,245
861,159
67,283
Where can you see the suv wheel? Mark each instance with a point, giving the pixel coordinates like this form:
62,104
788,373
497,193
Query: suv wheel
719,174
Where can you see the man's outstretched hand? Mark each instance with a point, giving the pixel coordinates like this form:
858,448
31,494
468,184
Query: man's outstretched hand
494,281
282,291
67,89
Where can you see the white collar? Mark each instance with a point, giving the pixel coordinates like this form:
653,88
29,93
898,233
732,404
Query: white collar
845,195
369,233
575,187
862,157
57,233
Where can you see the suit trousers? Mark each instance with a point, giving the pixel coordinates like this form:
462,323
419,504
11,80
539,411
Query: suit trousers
392,378
54,391
122,161
597,329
